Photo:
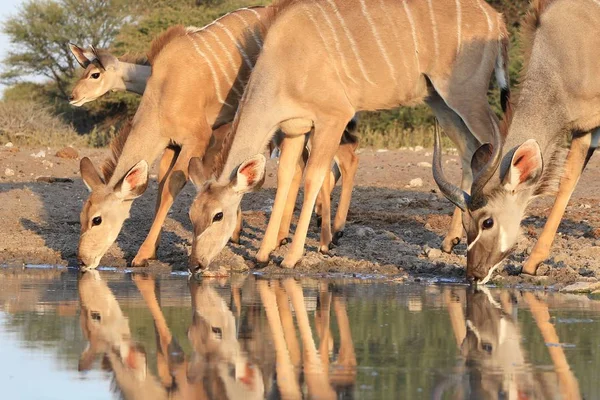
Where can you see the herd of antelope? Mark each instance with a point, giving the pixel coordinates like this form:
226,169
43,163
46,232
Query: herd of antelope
293,76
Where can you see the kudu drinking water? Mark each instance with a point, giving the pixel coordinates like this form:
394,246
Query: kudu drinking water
231,44
559,101
406,53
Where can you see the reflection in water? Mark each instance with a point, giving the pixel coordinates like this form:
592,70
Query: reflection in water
165,337
218,367
495,365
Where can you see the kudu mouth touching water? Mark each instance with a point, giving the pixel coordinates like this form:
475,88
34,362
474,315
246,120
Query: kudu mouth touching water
559,101
231,44
415,52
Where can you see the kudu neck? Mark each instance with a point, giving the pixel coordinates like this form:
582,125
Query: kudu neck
135,76
539,115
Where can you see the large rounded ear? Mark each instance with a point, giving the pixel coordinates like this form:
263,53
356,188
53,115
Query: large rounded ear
84,57
135,182
525,167
250,174
196,172
480,158
90,176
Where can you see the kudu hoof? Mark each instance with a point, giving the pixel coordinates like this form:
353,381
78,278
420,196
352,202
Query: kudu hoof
447,246
336,237
288,265
284,241
140,263
235,240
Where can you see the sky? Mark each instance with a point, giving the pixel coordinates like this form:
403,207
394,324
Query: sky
7,8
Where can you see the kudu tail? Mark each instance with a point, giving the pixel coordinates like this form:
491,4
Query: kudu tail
501,70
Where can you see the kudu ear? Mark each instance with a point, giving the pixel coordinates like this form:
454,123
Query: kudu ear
250,174
525,167
90,176
480,158
135,182
84,57
197,172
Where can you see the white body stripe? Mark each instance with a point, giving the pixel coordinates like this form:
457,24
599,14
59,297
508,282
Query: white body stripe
336,40
350,40
250,28
436,43
253,11
363,8
487,16
393,24
413,32
212,70
325,43
504,242
458,25
222,68
240,49
474,241
232,63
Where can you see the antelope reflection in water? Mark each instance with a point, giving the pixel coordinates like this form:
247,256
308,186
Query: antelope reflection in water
494,364
226,346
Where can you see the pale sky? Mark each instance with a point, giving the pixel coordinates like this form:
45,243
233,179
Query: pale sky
7,8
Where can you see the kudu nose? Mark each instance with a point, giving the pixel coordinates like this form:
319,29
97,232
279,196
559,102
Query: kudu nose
71,98
471,279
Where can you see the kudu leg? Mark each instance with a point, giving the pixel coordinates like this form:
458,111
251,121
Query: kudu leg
573,167
286,378
457,316
148,288
173,182
316,376
288,213
326,140
291,148
569,387
348,163
289,329
345,371
325,194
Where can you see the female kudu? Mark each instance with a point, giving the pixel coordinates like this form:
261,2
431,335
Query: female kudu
406,53
559,100
217,43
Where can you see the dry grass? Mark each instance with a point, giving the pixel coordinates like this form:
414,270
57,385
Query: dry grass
32,124
28,124
395,138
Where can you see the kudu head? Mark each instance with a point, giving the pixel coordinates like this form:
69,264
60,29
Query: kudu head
492,349
101,74
492,212
214,210
107,330
217,355
106,209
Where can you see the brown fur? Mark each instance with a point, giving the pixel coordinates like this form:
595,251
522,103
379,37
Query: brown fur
161,41
529,26
116,148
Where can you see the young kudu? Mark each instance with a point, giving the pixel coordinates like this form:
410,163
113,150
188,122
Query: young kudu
406,53
231,44
559,101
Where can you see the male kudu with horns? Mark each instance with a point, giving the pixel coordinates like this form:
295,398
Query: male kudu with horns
316,79
559,101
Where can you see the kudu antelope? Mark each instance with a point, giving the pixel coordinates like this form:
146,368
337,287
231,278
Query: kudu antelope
414,52
559,100
168,120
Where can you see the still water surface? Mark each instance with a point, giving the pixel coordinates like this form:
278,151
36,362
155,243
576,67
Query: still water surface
105,335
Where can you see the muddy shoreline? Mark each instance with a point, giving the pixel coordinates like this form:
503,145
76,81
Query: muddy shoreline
391,227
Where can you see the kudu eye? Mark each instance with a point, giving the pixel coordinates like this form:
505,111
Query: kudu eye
488,223
217,331
96,221
487,347
95,75
218,217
